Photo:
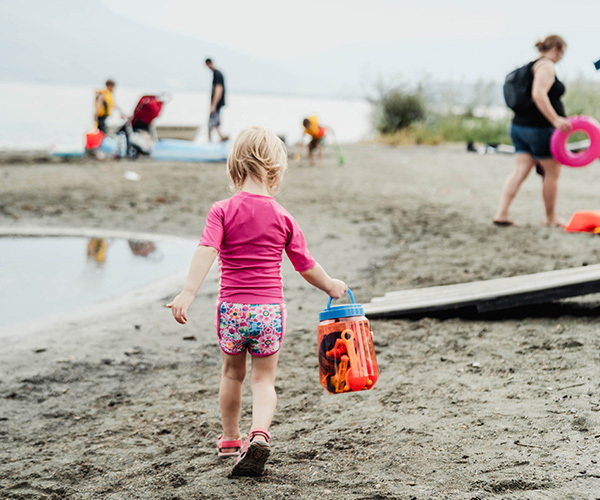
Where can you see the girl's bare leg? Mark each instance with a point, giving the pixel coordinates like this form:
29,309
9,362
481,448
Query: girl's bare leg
262,384
230,394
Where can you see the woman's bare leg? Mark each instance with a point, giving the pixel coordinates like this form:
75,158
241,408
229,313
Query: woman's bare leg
523,165
550,190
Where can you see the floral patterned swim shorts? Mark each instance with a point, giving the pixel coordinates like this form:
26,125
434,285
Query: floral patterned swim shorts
256,327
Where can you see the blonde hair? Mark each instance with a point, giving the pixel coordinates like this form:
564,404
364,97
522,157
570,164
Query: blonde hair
551,42
259,153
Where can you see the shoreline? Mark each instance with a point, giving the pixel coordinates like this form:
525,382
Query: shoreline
27,330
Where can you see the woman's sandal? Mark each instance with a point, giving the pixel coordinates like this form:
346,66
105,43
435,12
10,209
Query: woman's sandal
235,444
254,455
505,223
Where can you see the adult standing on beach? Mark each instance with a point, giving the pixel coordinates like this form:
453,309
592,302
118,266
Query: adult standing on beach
217,101
531,130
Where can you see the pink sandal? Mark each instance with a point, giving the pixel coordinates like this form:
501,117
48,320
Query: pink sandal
254,454
221,445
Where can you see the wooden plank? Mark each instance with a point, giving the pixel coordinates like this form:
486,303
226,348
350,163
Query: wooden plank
489,295
538,297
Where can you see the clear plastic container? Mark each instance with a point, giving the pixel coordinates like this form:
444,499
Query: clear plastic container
346,354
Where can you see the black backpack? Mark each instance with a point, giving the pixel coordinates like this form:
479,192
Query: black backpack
517,88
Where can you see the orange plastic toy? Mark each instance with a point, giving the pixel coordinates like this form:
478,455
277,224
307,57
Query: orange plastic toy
339,379
586,222
346,354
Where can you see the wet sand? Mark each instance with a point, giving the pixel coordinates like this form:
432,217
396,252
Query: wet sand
123,403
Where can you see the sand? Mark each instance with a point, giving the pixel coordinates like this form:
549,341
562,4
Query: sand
119,404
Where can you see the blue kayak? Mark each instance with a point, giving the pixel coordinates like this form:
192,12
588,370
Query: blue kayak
186,151
75,153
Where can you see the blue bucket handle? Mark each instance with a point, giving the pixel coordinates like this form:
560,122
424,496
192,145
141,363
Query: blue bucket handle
351,299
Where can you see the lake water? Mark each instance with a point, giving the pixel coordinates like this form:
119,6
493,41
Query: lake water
42,115
44,276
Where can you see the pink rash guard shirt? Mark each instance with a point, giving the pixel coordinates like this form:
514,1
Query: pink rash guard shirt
250,232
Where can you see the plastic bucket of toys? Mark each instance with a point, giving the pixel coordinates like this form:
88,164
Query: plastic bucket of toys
346,354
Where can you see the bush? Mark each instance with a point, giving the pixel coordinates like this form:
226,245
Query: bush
457,128
581,98
437,129
398,110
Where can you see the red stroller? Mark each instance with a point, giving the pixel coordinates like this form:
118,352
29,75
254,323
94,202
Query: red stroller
148,108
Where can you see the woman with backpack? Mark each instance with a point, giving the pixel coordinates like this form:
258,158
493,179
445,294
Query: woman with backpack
537,114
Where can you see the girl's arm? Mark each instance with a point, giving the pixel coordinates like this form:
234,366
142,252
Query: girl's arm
201,264
543,79
317,277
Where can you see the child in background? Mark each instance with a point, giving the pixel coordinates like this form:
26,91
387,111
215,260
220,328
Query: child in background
317,134
249,232
105,103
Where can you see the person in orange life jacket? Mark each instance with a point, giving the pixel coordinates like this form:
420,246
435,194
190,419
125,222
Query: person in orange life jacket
217,101
105,103
316,133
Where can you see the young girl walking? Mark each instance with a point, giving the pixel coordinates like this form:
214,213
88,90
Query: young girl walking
249,233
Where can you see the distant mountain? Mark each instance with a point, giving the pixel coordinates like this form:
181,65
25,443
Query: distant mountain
84,42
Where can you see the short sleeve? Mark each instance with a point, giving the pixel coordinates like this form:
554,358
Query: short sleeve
296,248
212,236
218,78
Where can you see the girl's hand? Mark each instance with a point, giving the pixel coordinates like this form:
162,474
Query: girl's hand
180,305
337,289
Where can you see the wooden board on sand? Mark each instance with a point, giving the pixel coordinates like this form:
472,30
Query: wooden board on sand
489,295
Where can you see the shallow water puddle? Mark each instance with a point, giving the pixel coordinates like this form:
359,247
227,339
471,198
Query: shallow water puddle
42,276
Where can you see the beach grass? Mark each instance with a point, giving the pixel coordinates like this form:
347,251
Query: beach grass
439,129
581,98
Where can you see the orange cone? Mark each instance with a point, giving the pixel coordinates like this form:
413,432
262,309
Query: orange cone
585,222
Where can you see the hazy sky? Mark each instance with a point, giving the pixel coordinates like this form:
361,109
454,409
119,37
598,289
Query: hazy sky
461,39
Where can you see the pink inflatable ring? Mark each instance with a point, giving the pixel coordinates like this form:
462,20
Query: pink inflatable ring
558,142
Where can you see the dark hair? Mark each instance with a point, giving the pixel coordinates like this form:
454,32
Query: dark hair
306,122
110,83
208,61
551,42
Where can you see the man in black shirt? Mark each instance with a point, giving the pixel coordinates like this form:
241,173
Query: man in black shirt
217,101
